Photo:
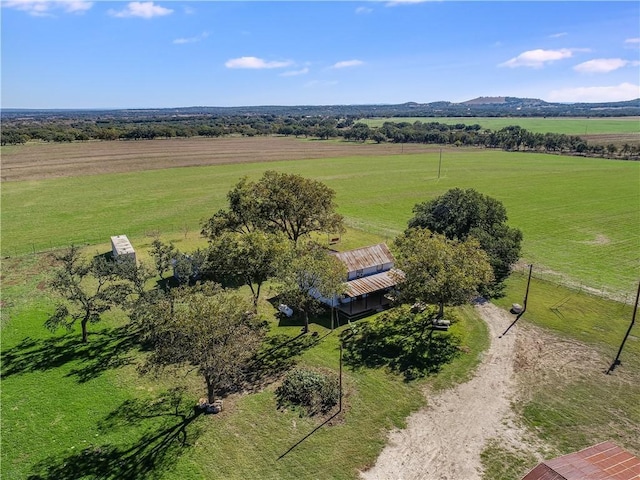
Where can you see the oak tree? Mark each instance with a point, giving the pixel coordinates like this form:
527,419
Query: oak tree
207,328
278,202
440,271
89,288
459,214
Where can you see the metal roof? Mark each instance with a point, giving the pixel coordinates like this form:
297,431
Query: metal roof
365,257
604,461
373,283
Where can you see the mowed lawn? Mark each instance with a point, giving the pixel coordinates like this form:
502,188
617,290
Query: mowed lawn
568,126
72,411
580,216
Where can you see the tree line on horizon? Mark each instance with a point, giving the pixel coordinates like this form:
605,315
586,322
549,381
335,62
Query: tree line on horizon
511,138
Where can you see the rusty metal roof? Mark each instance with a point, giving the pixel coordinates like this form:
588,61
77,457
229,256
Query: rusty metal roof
604,461
373,283
365,257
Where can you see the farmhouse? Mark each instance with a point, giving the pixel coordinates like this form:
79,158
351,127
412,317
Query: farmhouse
370,276
122,248
598,462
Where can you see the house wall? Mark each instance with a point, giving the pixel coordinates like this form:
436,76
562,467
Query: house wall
372,270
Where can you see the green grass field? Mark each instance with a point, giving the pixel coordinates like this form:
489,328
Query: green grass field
574,404
568,126
72,411
580,217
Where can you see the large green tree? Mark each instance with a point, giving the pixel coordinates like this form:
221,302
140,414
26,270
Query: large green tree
459,214
278,202
440,271
250,258
206,328
312,273
88,288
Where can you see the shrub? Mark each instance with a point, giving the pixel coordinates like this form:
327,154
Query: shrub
313,391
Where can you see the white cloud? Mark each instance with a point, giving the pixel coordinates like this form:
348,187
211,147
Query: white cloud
348,63
142,10
255,63
363,10
537,58
43,8
395,3
293,73
319,83
558,35
603,65
616,93
632,43
199,38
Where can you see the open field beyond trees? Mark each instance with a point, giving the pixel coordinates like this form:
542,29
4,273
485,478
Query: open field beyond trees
579,216
72,410
568,126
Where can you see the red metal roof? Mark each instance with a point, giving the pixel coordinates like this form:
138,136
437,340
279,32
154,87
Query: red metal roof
365,257
373,283
604,461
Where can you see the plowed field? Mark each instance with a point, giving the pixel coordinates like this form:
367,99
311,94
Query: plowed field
40,160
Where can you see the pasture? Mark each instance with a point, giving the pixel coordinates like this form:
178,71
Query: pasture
568,125
70,410
83,411
579,216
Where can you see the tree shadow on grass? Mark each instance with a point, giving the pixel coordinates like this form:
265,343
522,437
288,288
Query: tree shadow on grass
276,357
165,439
106,350
402,341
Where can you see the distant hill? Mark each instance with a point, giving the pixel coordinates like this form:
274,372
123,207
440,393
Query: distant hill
477,107
504,100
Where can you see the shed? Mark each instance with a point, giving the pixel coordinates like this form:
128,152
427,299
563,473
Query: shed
122,248
604,461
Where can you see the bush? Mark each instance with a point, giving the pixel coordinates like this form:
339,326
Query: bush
313,391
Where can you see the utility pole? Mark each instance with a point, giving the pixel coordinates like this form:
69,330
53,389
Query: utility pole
524,306
340,401
439,164
617,362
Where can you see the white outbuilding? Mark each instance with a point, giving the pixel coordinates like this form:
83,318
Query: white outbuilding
122,248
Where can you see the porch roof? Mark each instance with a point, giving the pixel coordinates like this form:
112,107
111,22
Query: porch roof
373,283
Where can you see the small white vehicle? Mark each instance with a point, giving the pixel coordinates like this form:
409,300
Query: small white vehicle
285,309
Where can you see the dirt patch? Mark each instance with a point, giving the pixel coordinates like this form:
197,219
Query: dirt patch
599,240
445,440
35,161
618,139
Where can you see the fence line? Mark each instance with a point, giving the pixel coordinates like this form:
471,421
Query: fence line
599,289
34,248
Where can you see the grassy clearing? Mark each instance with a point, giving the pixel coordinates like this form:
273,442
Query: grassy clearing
579,216
568,126
571,313
70,411
567,399
502,463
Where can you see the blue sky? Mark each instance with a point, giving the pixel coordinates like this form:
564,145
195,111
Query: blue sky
81,54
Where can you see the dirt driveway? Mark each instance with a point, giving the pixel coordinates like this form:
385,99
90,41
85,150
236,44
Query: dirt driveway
444,440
